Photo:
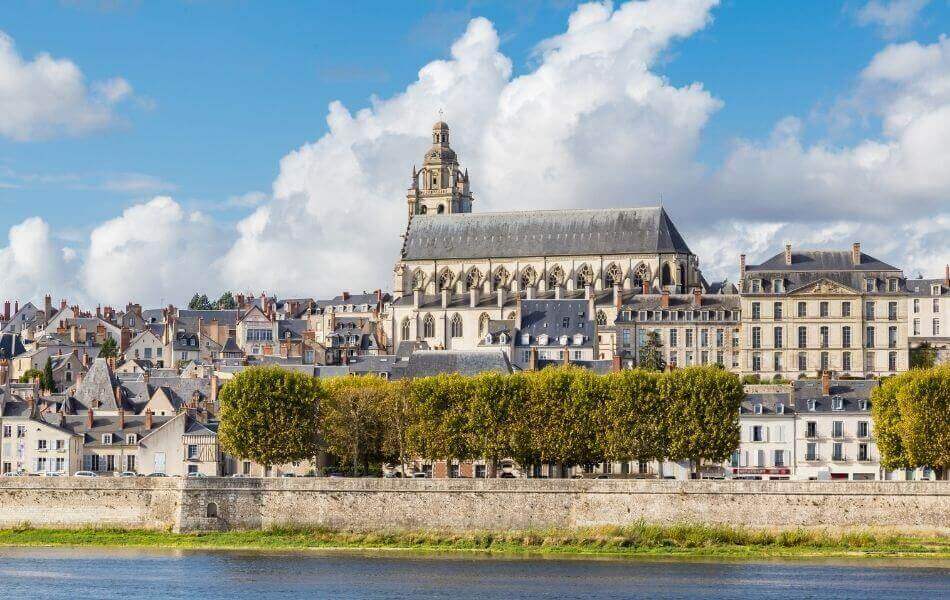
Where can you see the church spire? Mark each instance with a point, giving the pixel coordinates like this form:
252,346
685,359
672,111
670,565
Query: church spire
440,186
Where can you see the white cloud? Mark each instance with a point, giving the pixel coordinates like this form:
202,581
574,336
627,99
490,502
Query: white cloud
152,251
893,17
47,97
32,264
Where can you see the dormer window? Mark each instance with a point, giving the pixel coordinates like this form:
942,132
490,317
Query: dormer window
106,438
503,339
935,290
543,339
757,408
892,285
132,438
863,404
811,404
869,285
837,403
778,286
578,339
563,340
780,408
488,339
755,286
525,339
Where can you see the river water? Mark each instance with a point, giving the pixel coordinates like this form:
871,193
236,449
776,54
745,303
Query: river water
146,574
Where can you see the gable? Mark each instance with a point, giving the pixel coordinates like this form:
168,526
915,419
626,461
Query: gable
161,403
824,287
255,315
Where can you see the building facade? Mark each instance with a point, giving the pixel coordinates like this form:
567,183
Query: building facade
927,305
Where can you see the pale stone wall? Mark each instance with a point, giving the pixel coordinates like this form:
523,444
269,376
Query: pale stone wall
466,504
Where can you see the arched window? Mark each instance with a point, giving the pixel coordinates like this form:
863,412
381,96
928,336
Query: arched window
601,318
666,277
424,209
639,276
457,325
418,280
500,280
441,209
614,275
483,324
473,279
445,280
528,277
585,276
406,328
211,511
428,326
555,276
682,274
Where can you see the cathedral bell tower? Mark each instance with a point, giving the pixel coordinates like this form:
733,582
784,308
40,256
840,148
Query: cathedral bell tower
439,187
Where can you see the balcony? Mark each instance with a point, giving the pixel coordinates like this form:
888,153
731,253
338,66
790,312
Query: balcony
839,458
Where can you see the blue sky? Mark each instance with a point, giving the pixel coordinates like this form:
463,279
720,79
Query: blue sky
222,91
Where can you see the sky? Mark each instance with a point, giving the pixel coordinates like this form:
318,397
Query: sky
149,150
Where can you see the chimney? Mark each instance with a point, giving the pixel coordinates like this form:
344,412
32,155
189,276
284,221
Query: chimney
616,365
856,253
31,408
346,296
148,418
826,383
517,323
214,389
118,395
48,307
529,292
90,419
125,339
145,376
6,310
788,254
567,356
98,311
946,275
646,286
533,359
121,419
4,371
473,296
62,304
16,306
591,310
665,299
741,268
501,297
697,297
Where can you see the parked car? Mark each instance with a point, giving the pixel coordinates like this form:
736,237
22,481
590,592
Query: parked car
288,475
196,474
603,476
128,474
420,475
240,476
392,475
156,475
335,474
85,474
52,474
506,475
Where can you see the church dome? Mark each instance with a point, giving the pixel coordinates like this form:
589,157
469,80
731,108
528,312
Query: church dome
440,126
440,155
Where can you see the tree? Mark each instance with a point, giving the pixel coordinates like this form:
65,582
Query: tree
923,356
702,414
563,404
30,374
651,354
109,348
924,404
269,415
351,423
437,425
200,302
46,379
495,401
396,415
226,301
886,414
632,423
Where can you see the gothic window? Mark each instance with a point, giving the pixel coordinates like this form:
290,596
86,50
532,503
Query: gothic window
585,276
418,279
527,277
456,325
428,326
601,319
614,275
445,280
483,324
555,276
501,278
424,209
682,273
666,277
639,276
473,279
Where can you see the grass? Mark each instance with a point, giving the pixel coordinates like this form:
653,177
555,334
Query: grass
636,540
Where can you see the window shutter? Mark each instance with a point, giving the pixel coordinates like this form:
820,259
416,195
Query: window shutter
767,429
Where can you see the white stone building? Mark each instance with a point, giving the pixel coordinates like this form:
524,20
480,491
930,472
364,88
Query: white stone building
927,306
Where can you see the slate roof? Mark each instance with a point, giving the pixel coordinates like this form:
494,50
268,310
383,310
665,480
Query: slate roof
921,287
682,302
426,363
231,347
97,384
542,233
11,346
405,348
296,327
722,287
850,391
224,317
362,365
769,402
821,260
546,317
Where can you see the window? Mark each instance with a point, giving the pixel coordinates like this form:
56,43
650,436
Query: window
406,328
756,311
846,336
106,438
673,335
259,335
601,319
780,410
758,433
869,337
801,309
802,337
892,337
192,451
777,362
892,311
916,329
811,428
863,428
480,472
625,336
756,337
837,429
802,361
892,361
756,361
892,285
7,431
811,451
837,451
779,458
823,336
777,311
936,306
60,444
720,338
777,337
846,361
60,464
110,462
41,444
778,286
704,338
192,468
868,285
837,403
456,325
21,431
936,326
868,310
689,337
869,361
845,309
823,309
863,454
916,305
760,458
131,439
757,408
428,326
824,362
756,286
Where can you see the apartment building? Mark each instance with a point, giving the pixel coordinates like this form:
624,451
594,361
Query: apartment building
928,304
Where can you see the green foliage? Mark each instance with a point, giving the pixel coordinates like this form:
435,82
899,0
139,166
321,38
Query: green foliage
31,374
46,379
751,379
439,418
200,302
885,412
924,405
494,407
632,419
564,405
702,414
226,301
109,349
651,354
352,423
269,415
923,356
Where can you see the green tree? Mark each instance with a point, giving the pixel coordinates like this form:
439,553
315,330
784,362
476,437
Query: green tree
269,415
495,401
200,302
226,301
31,374
702,414
632,422
109,348
397,414
924,404
564,403
923,356
886,414
439,417
351,422
651,354
46,379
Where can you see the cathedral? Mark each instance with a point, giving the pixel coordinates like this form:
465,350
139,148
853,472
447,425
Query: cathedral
461,271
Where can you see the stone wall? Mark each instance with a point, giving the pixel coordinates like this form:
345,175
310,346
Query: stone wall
460,504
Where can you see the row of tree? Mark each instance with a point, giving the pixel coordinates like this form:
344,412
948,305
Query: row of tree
911,413
202,302
564,415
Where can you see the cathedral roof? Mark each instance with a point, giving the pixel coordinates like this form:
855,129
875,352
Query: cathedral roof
645,230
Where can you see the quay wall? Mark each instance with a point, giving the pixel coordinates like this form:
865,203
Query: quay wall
467,504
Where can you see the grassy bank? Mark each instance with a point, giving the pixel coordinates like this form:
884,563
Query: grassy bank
637,540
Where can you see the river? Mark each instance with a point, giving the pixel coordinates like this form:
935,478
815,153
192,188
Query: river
147,574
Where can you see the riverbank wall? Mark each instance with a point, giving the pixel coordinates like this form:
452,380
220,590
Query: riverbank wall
217,504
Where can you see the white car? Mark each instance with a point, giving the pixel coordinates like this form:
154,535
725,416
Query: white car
196,474
420,475
85,474
128,474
